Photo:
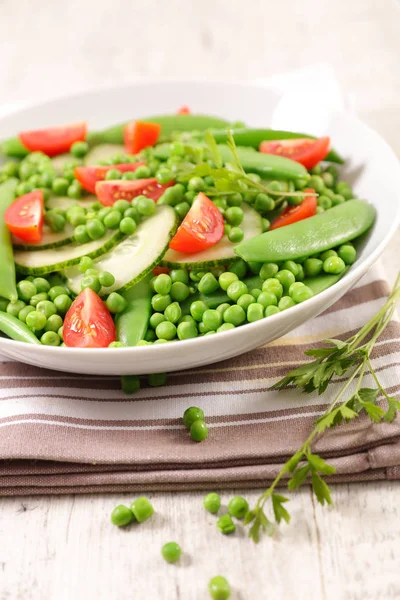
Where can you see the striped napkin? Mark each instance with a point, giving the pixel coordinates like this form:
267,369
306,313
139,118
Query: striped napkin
63,433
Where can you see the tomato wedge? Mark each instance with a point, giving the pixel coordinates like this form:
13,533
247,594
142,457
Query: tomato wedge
25,216
109,192
139,135
54,140
202,227
88,324
292,214
160,270
303,150
89,176
184,110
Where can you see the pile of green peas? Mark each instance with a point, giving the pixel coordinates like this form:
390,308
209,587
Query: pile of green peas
42,307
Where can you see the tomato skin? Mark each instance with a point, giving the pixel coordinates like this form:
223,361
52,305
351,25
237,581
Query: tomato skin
202,227
109,192
292,214
54,140
25,217
184,110
160,270
88,323
305,151
139,135
89,176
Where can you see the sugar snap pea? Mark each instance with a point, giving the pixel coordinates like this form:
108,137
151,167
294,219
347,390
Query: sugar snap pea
316,234
132,322
16,329
254,137
265,165
321,283
7,267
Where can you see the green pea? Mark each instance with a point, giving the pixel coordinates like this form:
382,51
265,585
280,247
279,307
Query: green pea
338,199
35,180
313,267
264,203
13,308
238,507
79,149
225,524
219,588
179,275
166,330
267,299
156,319
47,307
81,234
26,289
24,312
173,196
190,196
122,205
75,190
106,279
198,431
225,327
236,289
23,188
212,503
145,206
121,516
127,226
76,215
327,179
234,315
62,303
162,284
115,303
255,293
268,270
113,174
92,282
182,209
344,189
334,265
245,300
26,170
112,219
286,278
173,313
327,254
142,172
128,176
239,267
179,291
157,379
186,330
271,310
187,319
130,383
325,202
192,414
255,312
208,284
56,290
265,225
50,338
142,509
222,307
221,204
197,309
95,229
236,235
286,302
196,184
60,186
234,215
160,302
36,320
54,322
85,263
212,319
10,169
347,253
55,221
317,183
300,292
34,301
41,284
317,170
171,552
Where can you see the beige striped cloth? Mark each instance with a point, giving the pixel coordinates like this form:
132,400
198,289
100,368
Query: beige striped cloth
63,433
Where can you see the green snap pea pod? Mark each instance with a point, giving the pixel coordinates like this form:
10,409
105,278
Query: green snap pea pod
321,232
254,137
323,282
132,322
16,329
13,148
169,125
8,287
265,165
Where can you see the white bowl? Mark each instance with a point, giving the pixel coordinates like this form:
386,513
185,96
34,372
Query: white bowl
372,168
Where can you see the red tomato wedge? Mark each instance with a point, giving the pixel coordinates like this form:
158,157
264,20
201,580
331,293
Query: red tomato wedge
202,227
303,150
160,270
109,192
184,110
89,176
54,140
292,214
139,135
25,216
88,324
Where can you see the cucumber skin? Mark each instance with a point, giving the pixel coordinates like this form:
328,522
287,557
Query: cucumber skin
113,241
132,323
316,234
49,246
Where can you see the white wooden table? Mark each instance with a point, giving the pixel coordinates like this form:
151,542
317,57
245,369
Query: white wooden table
64,547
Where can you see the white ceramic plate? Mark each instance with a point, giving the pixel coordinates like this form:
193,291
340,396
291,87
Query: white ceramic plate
372,168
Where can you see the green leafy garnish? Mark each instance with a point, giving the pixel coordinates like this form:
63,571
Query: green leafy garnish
337,359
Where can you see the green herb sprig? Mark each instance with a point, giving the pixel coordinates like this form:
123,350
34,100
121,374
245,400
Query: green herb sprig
337,359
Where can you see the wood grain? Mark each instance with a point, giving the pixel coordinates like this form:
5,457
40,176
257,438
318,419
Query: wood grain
65,547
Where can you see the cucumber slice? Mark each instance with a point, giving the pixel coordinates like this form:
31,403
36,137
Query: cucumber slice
51,239
64,202
136,255
103,152
47,261
220,253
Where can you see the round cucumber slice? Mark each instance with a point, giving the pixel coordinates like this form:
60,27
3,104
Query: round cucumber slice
64,202
50,239
220,253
